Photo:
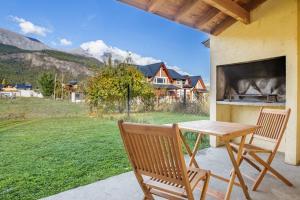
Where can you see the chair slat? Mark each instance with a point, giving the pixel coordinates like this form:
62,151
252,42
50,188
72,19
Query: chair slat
166,157
177,163
132,150
152,154
161,156
174,169
145,153
157,156
272,122
140,152
148,153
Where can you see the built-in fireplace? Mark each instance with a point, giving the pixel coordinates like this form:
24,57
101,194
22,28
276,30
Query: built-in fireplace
261,81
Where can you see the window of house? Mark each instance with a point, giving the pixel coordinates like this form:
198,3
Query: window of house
160,80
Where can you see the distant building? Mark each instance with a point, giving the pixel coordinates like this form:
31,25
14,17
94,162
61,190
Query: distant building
76,94
195,87
9,92
77,97
19,90
170,85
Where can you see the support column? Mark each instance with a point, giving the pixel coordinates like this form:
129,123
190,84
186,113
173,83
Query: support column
292,137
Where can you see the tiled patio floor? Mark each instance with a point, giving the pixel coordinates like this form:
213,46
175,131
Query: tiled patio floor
125,186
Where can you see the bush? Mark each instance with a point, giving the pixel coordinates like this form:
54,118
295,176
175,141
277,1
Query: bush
46,82
200,106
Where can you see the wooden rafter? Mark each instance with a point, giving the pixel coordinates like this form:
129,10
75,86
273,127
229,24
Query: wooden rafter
201,23
222,26
210,16
230,8
152,5
185,9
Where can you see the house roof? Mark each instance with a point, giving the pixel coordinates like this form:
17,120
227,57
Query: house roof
193,80
175,75
150,70
73,82
210,16
23,86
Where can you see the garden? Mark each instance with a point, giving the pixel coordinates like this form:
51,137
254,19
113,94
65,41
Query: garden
49,146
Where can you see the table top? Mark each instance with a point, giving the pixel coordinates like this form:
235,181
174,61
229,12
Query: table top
224,130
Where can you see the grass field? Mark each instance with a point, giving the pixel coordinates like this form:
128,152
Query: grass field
47,146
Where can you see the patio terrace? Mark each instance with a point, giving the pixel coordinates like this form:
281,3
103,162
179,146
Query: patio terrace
125,186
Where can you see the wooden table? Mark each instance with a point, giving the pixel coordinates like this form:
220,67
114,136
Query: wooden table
225,131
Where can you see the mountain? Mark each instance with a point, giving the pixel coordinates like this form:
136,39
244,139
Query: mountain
23,59
14,39
20,65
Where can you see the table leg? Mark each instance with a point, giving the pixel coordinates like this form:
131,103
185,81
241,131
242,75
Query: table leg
236,170
187,147
196,146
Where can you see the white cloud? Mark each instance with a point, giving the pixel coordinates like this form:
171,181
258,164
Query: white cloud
65,42
99,49
179,70
28,27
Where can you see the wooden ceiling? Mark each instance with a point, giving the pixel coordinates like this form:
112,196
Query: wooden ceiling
210,16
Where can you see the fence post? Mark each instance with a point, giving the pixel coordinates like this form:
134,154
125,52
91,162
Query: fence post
184,98
128,100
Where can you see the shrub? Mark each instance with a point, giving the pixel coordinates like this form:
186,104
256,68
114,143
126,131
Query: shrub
46,82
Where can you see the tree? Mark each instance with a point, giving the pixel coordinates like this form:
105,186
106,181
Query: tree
46,83
4,82
108,89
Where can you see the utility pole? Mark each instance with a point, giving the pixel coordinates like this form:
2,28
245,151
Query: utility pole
54,86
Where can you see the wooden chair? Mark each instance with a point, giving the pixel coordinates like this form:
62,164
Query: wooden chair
273,124
155,153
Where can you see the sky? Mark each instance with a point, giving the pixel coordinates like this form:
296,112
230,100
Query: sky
108,24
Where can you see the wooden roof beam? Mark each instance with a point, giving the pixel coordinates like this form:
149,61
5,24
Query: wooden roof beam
222,26
188,6
230,8
152,5
204,20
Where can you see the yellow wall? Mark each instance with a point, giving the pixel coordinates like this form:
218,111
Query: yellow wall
273,32
298,57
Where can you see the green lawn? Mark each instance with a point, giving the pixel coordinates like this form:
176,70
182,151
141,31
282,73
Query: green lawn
49,146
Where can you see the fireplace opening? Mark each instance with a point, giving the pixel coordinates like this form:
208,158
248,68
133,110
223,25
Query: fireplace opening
254,81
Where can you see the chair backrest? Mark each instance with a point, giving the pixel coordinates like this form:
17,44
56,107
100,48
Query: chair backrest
273,123
155,151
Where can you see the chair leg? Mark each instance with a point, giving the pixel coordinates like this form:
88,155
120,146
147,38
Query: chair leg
259,179
267,166
148,198
205,186
147,194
